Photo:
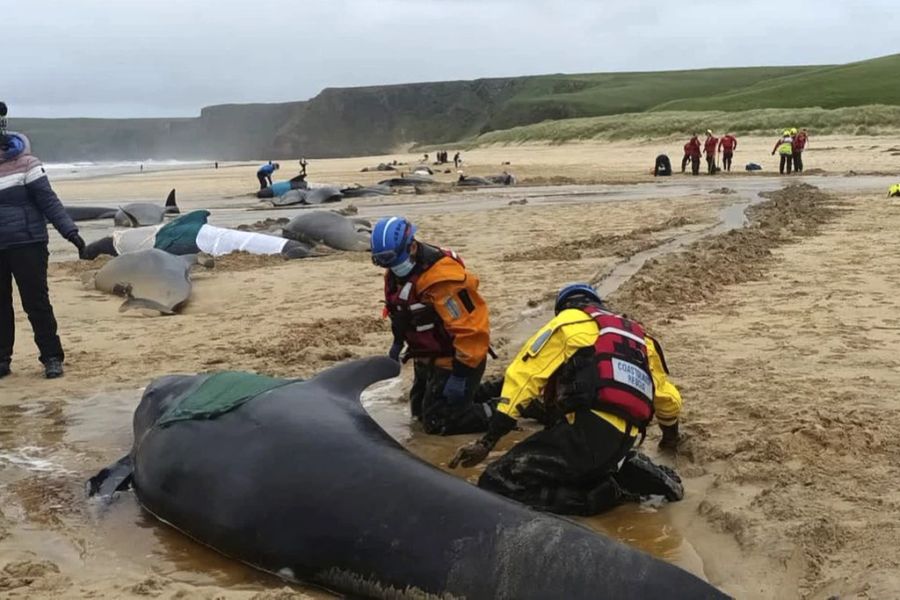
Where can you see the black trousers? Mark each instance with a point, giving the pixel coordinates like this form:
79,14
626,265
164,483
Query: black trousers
798,161
684,161
711,164
726,161
785,164
263,181
28,265
440,417
565,469
695,165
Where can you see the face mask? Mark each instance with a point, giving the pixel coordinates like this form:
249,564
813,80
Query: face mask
404,268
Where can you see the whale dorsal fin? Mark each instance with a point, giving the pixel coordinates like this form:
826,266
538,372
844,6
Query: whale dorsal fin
351,378
171,205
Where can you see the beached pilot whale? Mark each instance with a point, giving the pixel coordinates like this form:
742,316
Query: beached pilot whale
141,214
334,230
299,481
148,279
135,214
90,213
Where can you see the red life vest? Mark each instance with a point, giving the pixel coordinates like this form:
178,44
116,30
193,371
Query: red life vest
419,323
613,375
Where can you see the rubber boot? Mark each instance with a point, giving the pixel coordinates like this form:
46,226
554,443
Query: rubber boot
4,368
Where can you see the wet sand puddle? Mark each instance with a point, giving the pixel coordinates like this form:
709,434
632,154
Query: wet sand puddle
49,448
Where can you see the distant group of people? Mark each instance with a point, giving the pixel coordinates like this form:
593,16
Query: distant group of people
712,147
790,147
442,158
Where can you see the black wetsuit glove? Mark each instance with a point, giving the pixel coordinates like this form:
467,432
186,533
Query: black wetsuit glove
473,453
75,240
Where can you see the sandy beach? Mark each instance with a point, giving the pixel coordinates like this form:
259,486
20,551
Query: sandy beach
781,336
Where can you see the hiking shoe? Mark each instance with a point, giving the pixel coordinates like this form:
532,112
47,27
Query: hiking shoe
53,368
4,368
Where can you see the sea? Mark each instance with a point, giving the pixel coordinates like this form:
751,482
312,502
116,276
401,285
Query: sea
87,169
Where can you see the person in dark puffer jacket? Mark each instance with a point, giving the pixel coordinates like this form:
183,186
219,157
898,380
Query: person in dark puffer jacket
27,203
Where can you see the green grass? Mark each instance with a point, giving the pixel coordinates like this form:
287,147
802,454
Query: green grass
856,84
861,120
569,96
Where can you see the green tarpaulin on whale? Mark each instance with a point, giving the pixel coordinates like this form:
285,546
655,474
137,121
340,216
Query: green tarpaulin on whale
180,236
220,393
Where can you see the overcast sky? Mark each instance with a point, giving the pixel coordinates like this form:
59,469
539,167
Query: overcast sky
123,58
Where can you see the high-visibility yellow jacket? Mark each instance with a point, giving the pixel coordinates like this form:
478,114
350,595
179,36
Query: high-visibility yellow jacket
785,145
894,190
554,344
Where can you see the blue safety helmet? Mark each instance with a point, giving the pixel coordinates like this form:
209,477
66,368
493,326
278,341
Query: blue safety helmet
391,239
575,289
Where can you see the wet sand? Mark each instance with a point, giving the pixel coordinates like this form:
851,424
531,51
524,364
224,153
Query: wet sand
786,484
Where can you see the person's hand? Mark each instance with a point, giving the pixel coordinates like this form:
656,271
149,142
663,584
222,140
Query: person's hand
670,437
78,242
455,389
773,153
396,349
470,455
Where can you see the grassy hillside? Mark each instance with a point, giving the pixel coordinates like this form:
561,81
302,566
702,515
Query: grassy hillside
370,120
861,120
570,96
856,84
379,119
